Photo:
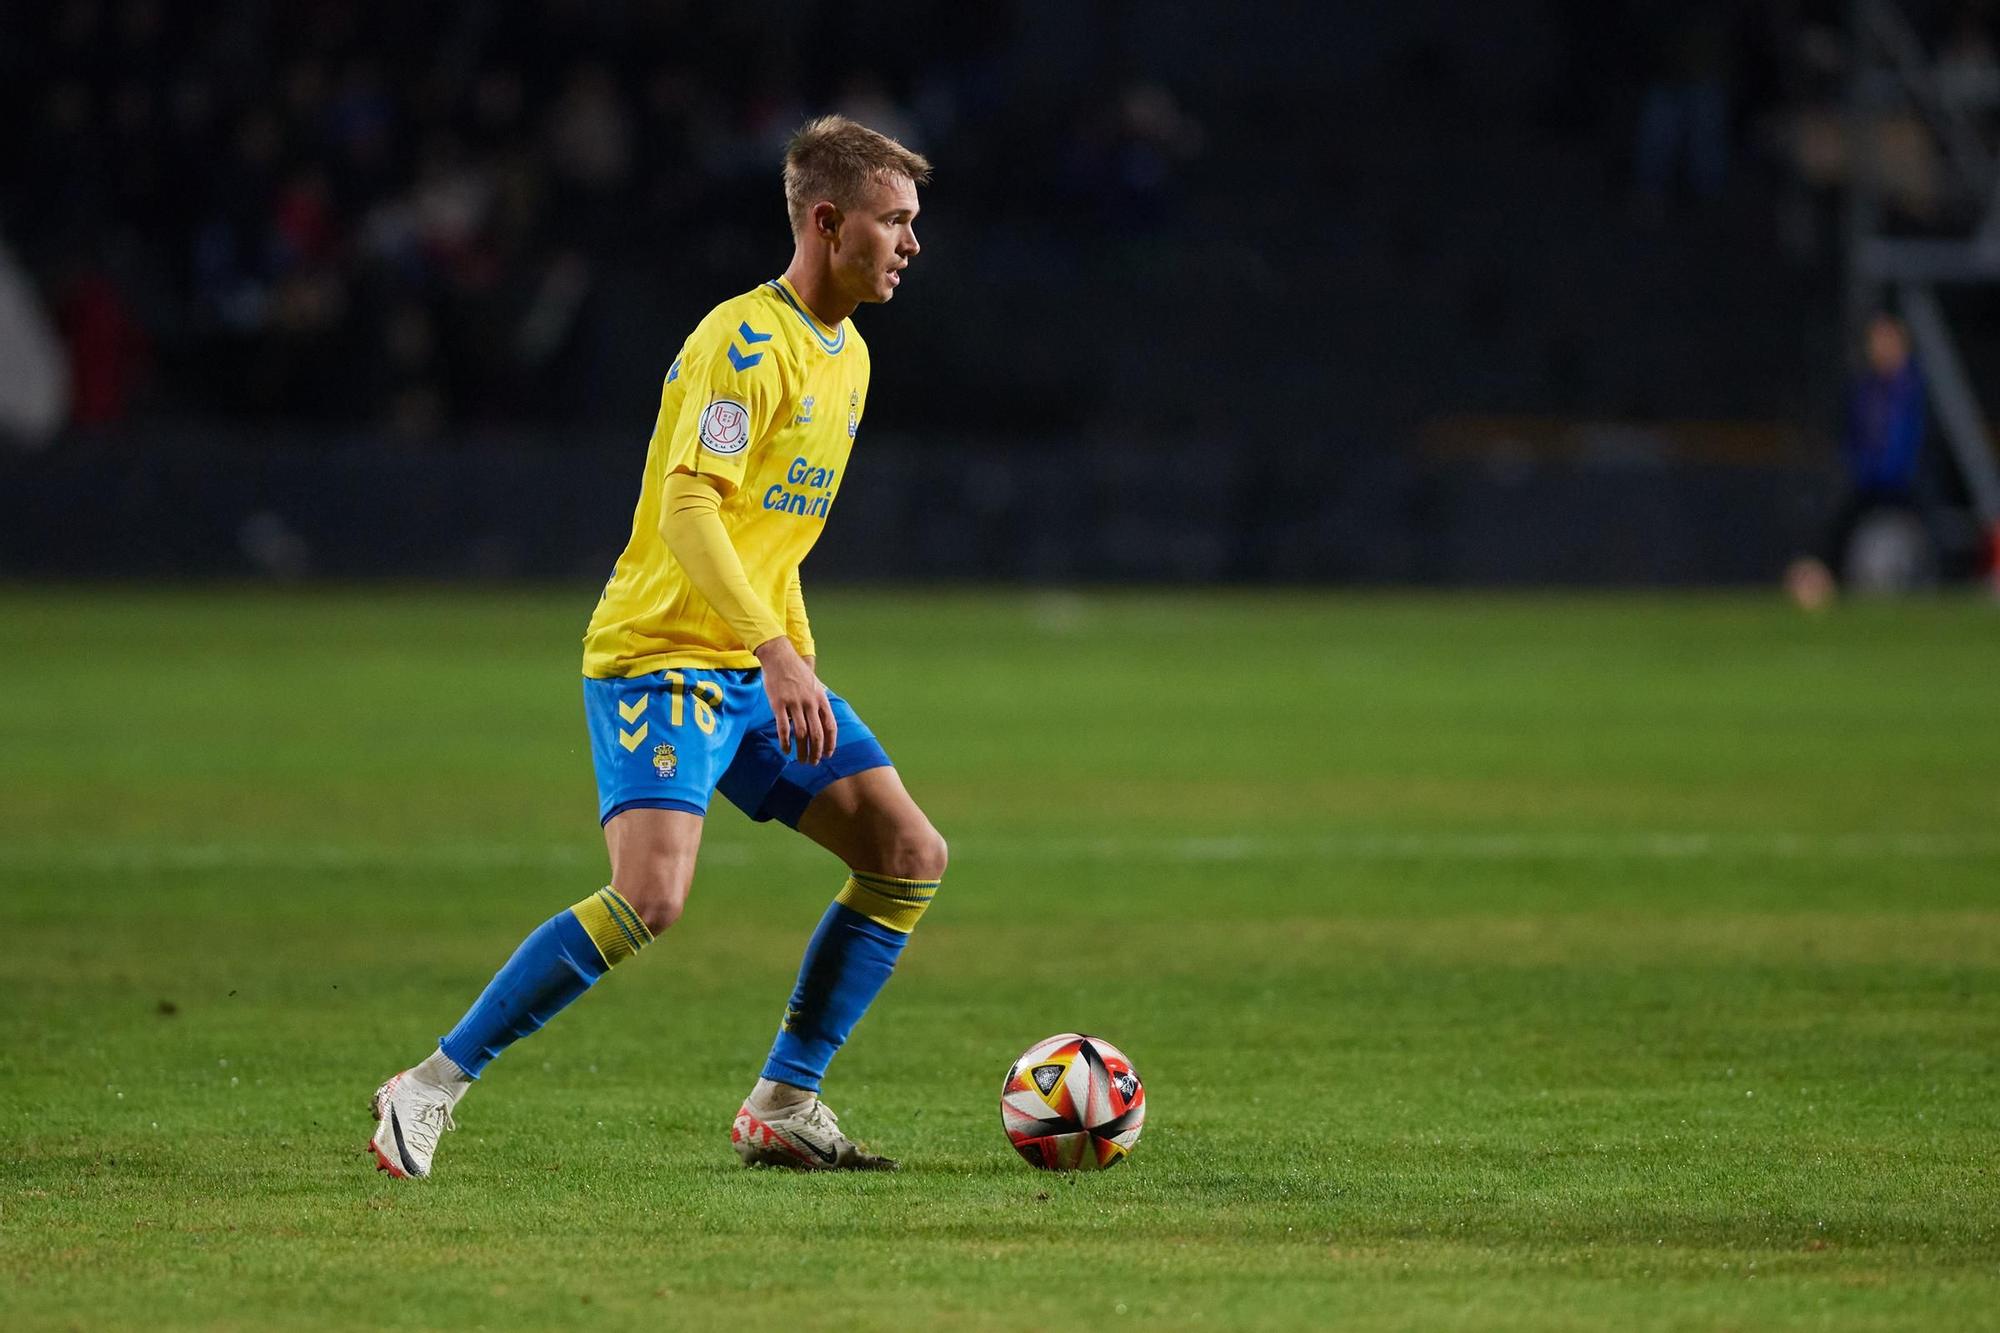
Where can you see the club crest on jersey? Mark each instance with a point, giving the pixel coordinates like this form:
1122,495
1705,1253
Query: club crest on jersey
853,412
665,762
725,426
805,411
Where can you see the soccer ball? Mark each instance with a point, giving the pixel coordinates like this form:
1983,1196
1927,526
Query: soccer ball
1072,1103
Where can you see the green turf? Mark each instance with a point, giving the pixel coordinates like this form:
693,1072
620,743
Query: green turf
1529,962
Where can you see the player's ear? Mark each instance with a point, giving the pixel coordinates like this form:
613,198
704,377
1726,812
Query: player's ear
826,219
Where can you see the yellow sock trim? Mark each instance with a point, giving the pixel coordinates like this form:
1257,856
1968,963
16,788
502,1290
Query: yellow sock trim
886,900
614,927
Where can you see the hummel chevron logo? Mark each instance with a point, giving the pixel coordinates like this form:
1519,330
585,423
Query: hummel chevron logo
741,359
630,712
630,739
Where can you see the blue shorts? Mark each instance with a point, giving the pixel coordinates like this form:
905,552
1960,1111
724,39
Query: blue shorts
669,740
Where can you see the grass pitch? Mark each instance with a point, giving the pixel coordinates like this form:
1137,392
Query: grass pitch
1520,963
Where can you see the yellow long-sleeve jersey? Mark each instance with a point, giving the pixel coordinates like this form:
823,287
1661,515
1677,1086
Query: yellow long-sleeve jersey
763,402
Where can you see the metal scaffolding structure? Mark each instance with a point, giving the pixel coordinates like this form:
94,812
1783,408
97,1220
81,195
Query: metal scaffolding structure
1891,74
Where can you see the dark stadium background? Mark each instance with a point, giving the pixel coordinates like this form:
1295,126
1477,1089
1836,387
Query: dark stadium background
1390,293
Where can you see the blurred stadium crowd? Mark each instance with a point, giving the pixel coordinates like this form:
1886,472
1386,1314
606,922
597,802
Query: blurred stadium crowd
407,214
424,220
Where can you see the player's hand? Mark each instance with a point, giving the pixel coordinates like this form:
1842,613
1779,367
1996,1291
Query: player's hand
798,701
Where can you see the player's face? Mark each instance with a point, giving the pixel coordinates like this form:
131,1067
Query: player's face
877,240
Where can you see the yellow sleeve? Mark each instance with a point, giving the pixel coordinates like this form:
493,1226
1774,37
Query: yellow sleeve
691,523
796,625
732,388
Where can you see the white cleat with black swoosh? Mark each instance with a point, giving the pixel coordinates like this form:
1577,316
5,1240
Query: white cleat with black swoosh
413,1116
802,1138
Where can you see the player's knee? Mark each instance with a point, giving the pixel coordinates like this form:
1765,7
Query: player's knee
657,890
658,903
915,851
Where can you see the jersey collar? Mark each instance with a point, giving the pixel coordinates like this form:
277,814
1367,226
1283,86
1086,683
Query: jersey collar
831,341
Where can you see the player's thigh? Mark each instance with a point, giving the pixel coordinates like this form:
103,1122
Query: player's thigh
872,823
652,861
659,744
765,781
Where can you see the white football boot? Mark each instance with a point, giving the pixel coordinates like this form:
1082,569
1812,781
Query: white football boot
414,1114
805,1137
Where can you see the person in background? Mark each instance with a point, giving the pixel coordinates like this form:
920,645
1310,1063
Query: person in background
1881,449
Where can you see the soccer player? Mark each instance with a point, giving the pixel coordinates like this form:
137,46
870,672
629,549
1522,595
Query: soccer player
700,673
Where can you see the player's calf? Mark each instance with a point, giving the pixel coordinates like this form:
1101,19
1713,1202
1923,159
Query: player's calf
846,964
558,961
898,860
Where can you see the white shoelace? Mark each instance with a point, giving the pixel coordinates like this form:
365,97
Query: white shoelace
429,1123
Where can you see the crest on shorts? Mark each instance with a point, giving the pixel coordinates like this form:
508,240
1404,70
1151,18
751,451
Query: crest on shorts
665,763
725,426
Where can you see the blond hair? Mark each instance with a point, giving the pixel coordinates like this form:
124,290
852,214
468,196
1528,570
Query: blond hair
835,158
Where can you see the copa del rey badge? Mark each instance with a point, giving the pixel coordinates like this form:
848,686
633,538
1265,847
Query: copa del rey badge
725,426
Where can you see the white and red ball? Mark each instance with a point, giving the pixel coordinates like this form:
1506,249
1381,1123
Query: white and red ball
1073,1103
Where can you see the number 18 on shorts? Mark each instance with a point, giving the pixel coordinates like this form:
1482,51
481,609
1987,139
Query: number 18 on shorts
669,740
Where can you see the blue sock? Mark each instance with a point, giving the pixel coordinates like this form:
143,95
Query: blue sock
560,960
847,963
